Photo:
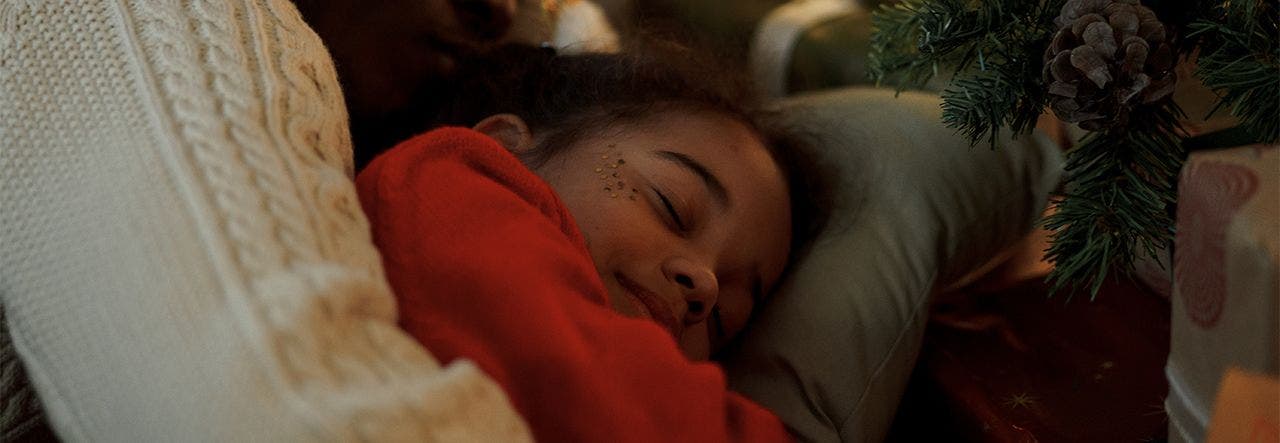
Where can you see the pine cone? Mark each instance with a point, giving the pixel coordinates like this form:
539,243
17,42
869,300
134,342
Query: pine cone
1107,57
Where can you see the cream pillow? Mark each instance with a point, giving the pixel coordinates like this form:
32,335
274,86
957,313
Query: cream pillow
916,208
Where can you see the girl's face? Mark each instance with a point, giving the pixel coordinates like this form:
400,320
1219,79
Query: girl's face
687,219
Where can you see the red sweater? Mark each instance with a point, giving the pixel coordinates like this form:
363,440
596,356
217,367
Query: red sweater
488,265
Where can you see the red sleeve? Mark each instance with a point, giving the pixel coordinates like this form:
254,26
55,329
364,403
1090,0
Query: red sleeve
487,265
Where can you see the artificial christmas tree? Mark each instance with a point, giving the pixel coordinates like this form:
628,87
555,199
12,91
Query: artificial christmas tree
1107,65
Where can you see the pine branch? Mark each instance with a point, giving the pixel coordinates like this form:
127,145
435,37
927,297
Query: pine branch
993,48
1120,184
1240,61
894,57
949,26
1010,93
1178,15
977,105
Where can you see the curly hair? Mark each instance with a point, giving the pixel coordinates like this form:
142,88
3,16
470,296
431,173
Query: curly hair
564,98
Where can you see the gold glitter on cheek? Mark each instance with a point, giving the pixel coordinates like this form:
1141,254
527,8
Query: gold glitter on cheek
613,183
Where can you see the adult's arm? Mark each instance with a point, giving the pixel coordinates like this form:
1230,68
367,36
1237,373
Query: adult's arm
488,265
182,254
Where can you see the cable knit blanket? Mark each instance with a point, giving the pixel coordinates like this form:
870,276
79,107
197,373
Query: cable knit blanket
182,255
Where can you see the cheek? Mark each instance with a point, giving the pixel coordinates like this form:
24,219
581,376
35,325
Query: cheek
612,178
591,183
614,231
606,204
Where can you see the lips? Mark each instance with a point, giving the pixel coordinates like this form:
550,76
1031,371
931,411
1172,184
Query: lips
652,304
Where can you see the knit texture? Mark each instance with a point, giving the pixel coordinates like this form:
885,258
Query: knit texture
182,254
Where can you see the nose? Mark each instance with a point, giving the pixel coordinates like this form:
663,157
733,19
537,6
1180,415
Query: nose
485,19
697,285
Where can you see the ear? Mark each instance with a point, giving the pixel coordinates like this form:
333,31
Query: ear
509,130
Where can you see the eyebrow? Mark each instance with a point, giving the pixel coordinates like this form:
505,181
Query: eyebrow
713,184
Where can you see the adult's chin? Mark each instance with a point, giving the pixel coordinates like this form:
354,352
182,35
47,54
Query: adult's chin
390,81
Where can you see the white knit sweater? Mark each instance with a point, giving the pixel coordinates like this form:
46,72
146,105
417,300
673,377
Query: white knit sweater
182,255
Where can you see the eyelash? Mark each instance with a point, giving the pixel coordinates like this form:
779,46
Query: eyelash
671,210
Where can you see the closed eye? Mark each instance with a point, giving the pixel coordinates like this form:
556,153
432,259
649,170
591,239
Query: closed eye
671,211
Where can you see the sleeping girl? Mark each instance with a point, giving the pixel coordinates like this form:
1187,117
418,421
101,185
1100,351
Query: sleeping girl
614,221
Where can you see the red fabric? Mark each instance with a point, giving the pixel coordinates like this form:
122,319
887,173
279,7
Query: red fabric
1012,365
488,265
